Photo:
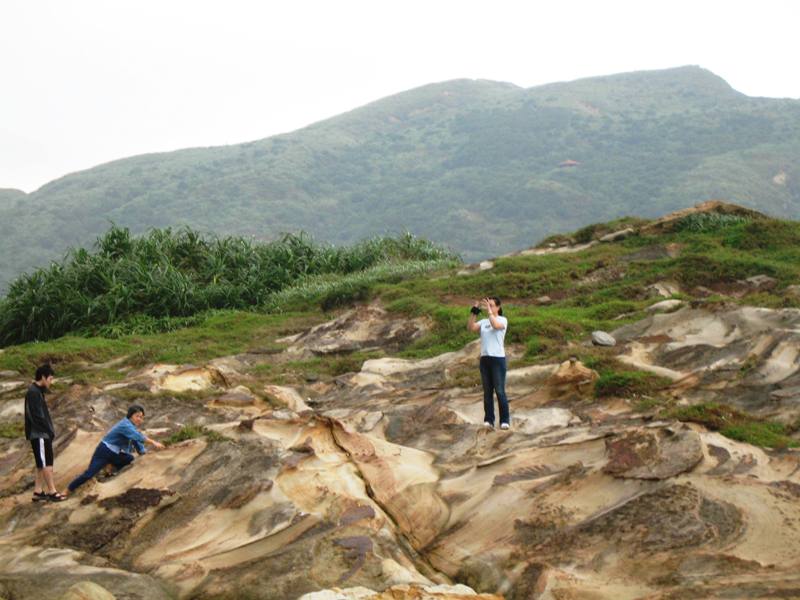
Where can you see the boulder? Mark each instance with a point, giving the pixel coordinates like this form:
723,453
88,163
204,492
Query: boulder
601,338
571,378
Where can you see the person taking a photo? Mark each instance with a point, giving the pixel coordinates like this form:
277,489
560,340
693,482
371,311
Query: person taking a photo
492,330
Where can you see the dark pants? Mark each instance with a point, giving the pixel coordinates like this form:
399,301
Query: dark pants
493,378
103,455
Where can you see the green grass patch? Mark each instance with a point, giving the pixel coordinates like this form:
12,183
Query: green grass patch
190,432
628,384
763,234
221,333
333,291
12,429
736,424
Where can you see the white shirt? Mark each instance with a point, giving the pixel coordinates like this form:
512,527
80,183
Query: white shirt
491,338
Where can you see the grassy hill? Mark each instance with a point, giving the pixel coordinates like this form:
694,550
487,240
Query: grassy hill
479,166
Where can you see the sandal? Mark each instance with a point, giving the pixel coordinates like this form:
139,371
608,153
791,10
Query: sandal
38,497
56,497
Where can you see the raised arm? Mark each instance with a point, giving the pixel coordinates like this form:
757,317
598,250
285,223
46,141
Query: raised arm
495,322
472,323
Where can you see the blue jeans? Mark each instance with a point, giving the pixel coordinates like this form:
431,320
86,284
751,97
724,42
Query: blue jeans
103,455
493,378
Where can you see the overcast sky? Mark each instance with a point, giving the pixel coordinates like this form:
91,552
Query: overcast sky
89,81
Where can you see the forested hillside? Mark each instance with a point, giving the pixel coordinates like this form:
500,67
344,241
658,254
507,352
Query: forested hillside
480,166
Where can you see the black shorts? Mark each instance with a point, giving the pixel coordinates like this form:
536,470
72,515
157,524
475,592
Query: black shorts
42,452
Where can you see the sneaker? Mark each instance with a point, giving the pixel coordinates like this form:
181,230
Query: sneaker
488,425
504,425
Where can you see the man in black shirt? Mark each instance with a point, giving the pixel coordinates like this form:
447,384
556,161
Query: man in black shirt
39,430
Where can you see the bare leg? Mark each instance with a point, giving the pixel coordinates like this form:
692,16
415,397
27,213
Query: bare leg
38,486
47,475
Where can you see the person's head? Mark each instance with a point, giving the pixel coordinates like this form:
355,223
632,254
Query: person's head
495,302
136,414
44,376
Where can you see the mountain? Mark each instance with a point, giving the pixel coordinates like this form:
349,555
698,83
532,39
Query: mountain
8,195
481,166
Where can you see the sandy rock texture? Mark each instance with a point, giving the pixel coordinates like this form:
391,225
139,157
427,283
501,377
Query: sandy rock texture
383,483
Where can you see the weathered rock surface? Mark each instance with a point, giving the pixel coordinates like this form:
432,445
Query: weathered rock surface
383,483
86,590
745,356
665,306
656,454
367,328
403,592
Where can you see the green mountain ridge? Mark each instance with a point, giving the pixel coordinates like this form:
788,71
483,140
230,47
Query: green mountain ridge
472,164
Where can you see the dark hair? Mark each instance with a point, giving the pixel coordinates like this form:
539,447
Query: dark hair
497,303
135,408
43,372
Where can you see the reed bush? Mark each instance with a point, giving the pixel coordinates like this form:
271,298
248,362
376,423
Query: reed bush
161,280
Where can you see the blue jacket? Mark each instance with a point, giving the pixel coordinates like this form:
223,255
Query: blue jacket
122,436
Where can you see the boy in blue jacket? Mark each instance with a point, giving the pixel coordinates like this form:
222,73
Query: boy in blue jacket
115,447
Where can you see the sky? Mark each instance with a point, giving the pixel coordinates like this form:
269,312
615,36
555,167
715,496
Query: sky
89,81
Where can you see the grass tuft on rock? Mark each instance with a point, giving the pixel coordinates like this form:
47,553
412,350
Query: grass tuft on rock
190,432
736,424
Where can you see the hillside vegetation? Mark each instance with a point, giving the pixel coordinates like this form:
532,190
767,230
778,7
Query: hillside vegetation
554,300
166,278
482,167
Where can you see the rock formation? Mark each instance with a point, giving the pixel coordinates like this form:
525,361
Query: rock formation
382,483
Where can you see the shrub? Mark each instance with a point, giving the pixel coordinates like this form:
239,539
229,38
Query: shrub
706,222
158,281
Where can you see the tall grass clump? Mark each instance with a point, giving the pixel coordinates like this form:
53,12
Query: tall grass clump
702,222
167,277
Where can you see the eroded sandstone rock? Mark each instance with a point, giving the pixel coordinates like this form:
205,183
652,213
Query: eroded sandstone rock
386,480
86,590
366,328
653,453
